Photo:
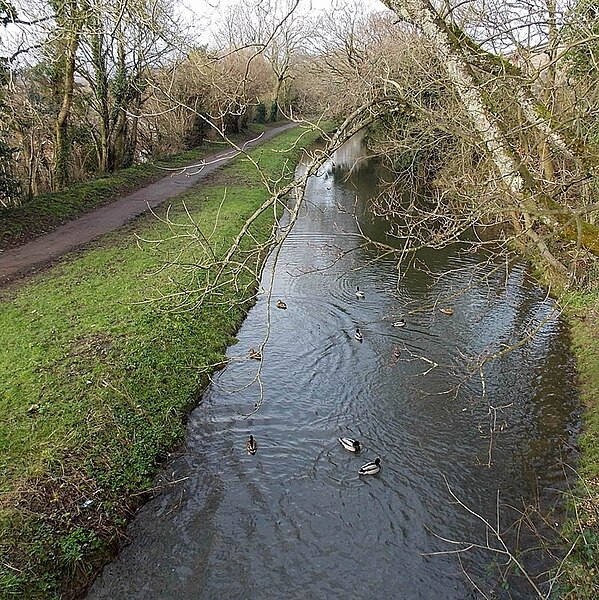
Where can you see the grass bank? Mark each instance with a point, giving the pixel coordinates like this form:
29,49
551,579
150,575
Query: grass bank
582,530
578,576
97,382
48,211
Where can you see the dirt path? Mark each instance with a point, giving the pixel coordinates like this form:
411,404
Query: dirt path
33,256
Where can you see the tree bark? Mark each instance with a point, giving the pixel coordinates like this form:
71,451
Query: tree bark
68,20
101,93
524,191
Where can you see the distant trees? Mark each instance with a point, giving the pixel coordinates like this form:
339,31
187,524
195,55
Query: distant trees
275,31
207,93
107,83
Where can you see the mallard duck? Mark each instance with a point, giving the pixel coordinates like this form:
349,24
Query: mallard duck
370,468
255,354
349,444
358,335
251,445
446,311
281,304
400,323
359,292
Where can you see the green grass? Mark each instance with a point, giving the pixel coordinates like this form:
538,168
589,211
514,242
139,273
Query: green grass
45,212
582,529
97,382
579,579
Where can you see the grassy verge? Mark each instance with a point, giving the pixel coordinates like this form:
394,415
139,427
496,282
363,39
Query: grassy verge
582,530
97,382
48,211
578,576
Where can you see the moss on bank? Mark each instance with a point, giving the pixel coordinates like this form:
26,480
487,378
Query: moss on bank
97,381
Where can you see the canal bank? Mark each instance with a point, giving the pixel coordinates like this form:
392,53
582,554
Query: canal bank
101,361
581,533
578,574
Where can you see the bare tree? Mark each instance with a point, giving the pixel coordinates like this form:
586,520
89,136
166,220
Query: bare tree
122,46
274,29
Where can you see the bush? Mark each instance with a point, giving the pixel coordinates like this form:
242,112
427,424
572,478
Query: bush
260,113
196,133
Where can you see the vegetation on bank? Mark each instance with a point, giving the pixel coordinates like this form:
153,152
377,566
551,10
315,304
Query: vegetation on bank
579,573
582,530
20,223
97,381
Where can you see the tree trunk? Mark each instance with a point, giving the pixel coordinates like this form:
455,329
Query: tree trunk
62,144
68,21
101,93
524,191
120,127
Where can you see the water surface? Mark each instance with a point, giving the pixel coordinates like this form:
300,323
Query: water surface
296,520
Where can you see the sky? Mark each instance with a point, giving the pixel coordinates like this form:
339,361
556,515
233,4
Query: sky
203,17
206,13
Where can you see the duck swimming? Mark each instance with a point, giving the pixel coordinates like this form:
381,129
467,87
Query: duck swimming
349,444
400,323
255,354
358,335
281,304
370,468
251,446
359,292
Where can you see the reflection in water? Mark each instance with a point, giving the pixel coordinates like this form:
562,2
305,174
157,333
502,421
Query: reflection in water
296,520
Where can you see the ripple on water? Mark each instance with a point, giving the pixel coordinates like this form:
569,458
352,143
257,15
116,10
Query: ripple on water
296,517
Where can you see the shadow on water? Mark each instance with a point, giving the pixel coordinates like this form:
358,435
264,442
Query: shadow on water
295,520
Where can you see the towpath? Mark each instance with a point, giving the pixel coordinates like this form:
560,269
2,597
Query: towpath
39,253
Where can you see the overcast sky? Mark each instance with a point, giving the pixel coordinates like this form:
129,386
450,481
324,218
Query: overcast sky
206,13
202,15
